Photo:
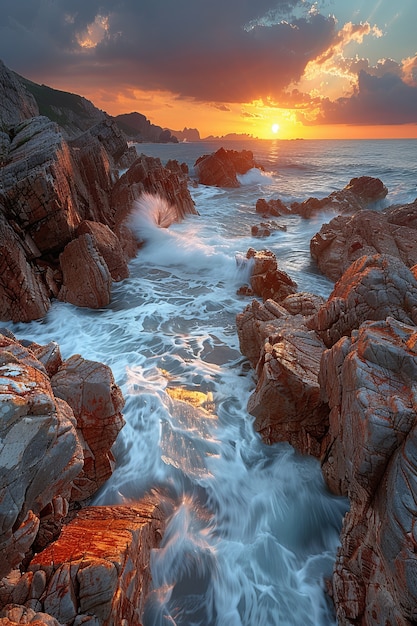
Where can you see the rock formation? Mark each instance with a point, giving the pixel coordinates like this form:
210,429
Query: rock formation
370,382
344,239
52,191
220,169
266,279
60,419
358,195
338,380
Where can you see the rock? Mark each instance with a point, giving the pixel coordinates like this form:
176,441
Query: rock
358,195
286,402
86,279
13,615
271,207
89,389
41,453
17,104
345,239
108,246
267,281
221,168
147,175
370,382
373,288
99,566
23,295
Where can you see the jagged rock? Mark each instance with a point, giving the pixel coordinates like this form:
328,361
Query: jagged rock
109,247
147,175
99,566
89,389
23,295
358,195
86,279
267,281
40,453
373,288
220,169
17,103
271,207
286,402
14,615
370,382
345,239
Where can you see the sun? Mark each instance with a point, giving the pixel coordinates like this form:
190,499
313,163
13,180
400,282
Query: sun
275,128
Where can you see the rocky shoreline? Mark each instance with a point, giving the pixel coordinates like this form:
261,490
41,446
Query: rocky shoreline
336,378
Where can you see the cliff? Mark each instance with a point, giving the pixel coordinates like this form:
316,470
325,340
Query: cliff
63,224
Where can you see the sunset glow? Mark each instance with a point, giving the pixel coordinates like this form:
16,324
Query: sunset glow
292,70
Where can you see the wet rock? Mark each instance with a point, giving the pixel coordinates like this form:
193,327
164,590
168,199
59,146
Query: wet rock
361,193
41,453
90,390
370,382
345,239
286,403
99,566
267,281
271,207
109,247
373,288
220,169
86,279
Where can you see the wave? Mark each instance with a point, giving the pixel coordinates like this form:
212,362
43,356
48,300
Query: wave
151,211
255,176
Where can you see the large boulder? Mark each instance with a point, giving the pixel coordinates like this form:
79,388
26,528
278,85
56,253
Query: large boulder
359,194
373,288
287,404
90,390
59,420
346,238
370,383
220,169
40,454
266,279
86,279
99,567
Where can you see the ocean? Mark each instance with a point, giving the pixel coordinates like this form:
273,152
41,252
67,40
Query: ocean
252,530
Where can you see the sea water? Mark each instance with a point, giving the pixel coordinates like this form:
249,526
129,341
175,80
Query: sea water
252,531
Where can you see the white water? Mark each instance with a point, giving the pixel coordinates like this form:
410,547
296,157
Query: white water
252,531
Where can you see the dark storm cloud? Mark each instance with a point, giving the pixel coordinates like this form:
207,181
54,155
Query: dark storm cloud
213,50
382,99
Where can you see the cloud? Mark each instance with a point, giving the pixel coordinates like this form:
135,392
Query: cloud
217,51
379,99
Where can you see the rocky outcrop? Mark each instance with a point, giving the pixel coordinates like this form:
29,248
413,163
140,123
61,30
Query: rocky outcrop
138,128
359,194
373,288
59,422
220,169
52,191
274,207
90,390
17,103
344,239
351,404
370,382
266,279
286,403
40,454
99,566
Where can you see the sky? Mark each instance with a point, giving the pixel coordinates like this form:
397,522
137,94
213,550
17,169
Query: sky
266,68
